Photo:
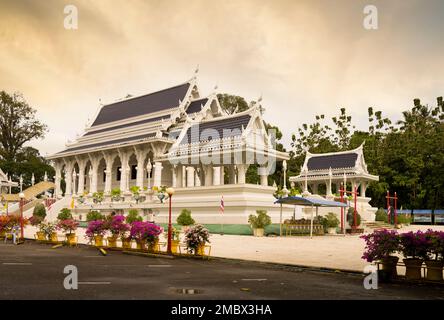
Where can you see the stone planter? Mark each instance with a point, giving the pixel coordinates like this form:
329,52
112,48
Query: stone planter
434,270
413,268
331,230
258,232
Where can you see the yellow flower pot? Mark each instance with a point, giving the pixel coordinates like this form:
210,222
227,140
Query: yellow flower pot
140,245
201,250
174,246
54,238
71,239
126,243
112,242
2,233
153,246
40,235
98,241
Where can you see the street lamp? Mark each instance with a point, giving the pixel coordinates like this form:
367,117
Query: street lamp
170,192
22,198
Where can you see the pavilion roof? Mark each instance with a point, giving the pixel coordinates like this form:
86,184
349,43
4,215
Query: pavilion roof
146,104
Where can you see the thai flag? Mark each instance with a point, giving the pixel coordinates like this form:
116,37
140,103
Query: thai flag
222,205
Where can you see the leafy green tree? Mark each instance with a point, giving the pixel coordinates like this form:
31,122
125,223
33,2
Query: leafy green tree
232,103
18,125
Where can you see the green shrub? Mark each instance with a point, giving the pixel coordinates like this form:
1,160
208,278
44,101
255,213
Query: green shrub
64,214
404,219
94,215
184,218
133,215
330,221
260,220
381,215
39,211
350,217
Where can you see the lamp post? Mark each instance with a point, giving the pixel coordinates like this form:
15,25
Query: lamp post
170,192
22,198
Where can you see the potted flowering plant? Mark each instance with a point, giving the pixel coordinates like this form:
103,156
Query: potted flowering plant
116,194
4,224
49,230
435,254
95,231
118,228
413,246
135,190
381,245
38,215
175,239
98,197
146,232
259,222
69,226
195,239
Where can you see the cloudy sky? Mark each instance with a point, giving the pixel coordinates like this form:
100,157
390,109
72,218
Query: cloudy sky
304,57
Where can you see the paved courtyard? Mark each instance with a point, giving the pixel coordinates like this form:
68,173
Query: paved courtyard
35,271
336,252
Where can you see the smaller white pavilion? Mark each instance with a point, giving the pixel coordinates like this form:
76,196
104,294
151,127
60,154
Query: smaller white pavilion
333,169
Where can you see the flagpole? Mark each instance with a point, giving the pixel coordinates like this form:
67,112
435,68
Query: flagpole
222,209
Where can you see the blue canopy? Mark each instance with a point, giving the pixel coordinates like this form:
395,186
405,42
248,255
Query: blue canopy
316,202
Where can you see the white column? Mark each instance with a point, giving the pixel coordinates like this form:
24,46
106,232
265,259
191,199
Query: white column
81,187
197,182
140,171
232,171
241,171
174,176
222,175
179,176
95,171
123,171
58,178
190,176
264,176
363,188
74,179
208,171
216,176
68,179
157,174
108,174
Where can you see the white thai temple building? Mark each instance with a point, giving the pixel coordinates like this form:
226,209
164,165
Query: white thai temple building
175,138
333,169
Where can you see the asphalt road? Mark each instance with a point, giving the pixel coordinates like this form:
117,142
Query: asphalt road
35,271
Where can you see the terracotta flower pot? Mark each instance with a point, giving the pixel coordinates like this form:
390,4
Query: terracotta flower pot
413,268
434,270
